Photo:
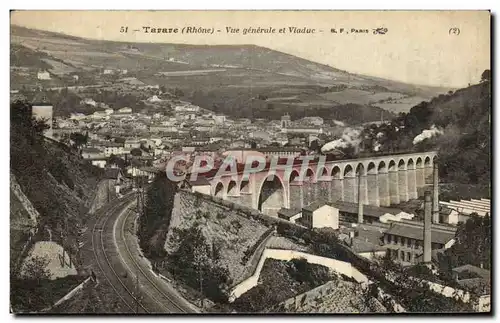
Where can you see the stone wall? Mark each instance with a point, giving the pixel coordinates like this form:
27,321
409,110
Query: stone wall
341,267
221,223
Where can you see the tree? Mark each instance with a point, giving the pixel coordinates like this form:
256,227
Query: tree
486,76
79,139
198,263
314,146
136,152
115,160
36,269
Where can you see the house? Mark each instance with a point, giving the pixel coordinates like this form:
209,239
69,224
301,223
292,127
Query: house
109,111
92,153
162,128
470,271
113,148
148,172
108,72
75,77
187,108
320,215
201,185
98,162
215,139
132,143
125,110
467,207
115,176
404,241
200,141
239,144
43,75
291,215
154,98
365,247
219,118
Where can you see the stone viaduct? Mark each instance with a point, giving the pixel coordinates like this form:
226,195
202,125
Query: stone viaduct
385,180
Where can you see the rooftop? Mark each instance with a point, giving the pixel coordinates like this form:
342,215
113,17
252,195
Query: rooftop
361,245
484,273
288,213
315,205
417,233
368,210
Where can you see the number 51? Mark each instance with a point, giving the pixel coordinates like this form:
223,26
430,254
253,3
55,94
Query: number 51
123,29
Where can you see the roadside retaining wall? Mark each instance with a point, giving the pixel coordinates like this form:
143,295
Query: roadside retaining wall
341,267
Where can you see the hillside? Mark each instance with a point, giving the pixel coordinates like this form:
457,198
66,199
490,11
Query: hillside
456,124
239,80
51,192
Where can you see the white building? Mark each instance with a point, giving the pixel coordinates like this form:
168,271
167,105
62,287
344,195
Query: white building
109,111
113,148
320,215
125,110
154,98
43,75
466,207
219,119
132,143
187,108
108,72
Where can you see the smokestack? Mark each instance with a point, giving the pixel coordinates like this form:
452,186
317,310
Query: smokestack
427,227
360,201
435,190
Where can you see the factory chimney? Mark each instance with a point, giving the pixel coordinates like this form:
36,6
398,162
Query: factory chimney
427,227
360,201
435,198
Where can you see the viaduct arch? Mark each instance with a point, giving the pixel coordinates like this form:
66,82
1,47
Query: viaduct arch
384,180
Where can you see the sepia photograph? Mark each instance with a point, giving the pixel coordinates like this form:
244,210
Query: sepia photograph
250,162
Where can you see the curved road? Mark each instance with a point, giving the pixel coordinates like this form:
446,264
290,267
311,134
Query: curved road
121,264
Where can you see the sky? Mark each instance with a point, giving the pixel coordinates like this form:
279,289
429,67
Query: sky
417,48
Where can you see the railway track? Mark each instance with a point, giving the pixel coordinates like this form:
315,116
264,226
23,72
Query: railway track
100,254
144,273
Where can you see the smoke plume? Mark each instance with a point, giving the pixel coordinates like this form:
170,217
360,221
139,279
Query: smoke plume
427,133
350,137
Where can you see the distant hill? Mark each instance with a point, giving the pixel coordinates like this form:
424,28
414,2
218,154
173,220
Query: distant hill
224,78
464,146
